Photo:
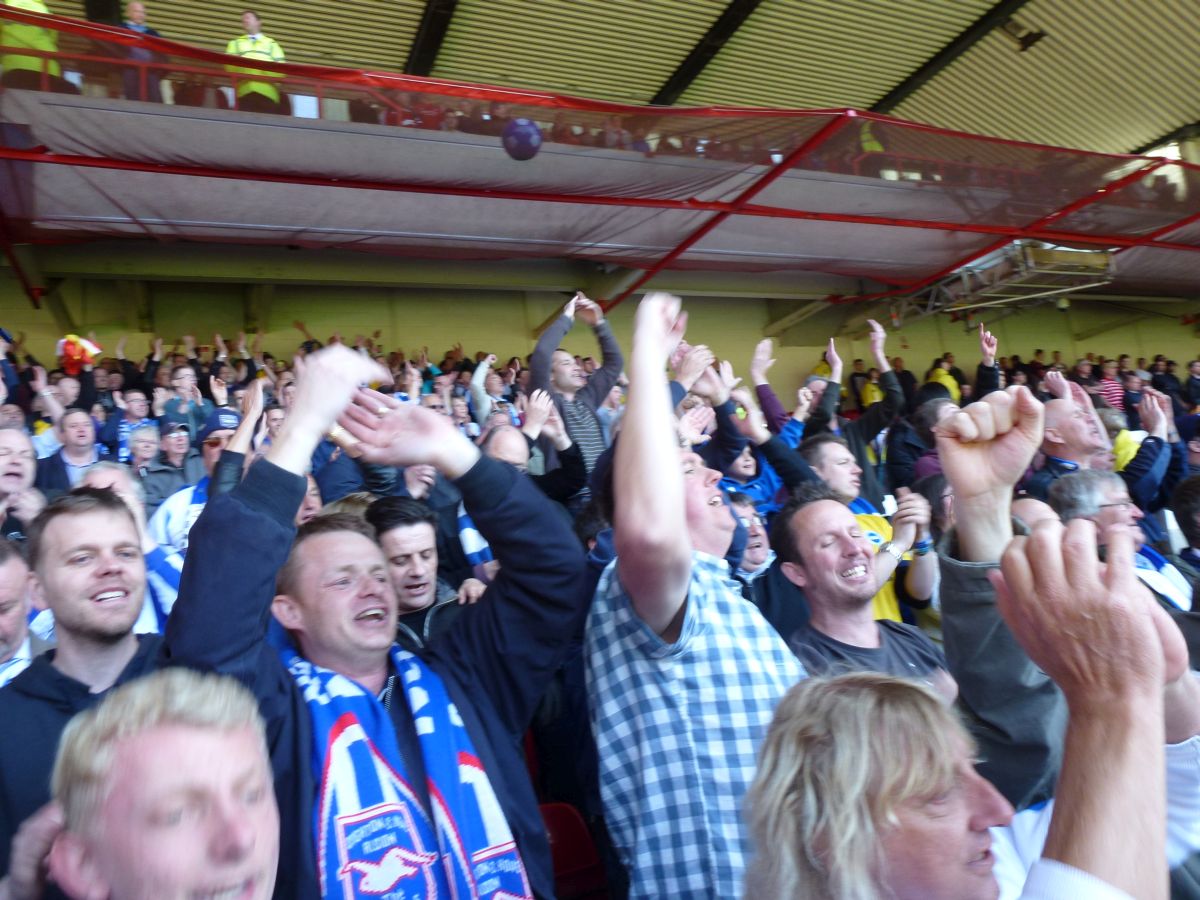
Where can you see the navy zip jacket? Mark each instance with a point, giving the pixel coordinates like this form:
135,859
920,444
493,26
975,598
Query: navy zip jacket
495,661
35,707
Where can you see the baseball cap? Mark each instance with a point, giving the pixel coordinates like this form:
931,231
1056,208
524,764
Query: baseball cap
219,420
174,428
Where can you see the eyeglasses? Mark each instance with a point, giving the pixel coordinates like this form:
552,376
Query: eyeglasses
216,442
747,521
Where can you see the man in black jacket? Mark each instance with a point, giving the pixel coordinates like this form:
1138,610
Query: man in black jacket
1191,388
61,471
86,553
426,604
336,601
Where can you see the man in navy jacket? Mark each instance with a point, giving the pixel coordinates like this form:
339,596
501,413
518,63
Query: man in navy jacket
495,662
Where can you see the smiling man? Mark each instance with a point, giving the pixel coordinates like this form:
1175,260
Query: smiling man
907,568
397,772
683,673
166,792
827,554
86,556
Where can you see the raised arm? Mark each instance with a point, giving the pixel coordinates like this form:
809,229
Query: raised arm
481,403
760,363
50,403
727,443
228,470
789,465
543,350
511,641
654,552
1014,711
822,417
1111,650
601,381
242,538
985,448
87,389
570,476
987,375
880,415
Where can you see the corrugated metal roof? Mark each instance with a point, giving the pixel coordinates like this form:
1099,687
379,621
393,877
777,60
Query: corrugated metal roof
374,34
1110,75
619,50
823,53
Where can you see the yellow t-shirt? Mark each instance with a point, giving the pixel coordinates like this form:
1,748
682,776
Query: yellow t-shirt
872,393
1125,448
878,530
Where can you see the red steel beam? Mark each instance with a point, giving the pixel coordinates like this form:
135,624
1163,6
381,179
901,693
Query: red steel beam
1067,210
828,130
1012,231
721,210
1153,236
690,205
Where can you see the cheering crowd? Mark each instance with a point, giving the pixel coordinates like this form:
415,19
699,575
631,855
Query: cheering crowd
345,625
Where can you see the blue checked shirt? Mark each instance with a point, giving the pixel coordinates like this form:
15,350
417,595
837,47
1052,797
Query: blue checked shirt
678,727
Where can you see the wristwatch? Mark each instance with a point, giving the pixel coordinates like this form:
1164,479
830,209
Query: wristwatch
895,551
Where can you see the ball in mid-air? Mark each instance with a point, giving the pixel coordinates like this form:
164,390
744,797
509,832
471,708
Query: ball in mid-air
522,139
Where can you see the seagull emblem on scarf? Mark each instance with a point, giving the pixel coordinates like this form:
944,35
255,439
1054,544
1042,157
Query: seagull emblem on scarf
380,877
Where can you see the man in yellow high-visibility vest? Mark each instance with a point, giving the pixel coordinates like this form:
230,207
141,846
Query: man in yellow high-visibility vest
24,71
256,96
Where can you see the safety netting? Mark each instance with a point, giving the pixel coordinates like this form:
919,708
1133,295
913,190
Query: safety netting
105,132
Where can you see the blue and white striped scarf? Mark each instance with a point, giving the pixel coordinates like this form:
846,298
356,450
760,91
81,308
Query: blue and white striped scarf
373,835
475,546
1163,578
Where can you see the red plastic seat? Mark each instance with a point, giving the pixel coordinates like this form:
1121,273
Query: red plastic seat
578,871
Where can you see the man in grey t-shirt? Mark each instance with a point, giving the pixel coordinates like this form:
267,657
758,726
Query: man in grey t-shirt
825,553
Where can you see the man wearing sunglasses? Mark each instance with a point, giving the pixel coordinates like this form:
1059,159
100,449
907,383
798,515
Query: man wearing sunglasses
170,524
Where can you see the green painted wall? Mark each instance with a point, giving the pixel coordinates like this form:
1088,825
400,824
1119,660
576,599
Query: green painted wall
501,322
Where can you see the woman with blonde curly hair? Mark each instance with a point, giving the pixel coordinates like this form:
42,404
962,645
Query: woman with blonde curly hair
863,781
866,788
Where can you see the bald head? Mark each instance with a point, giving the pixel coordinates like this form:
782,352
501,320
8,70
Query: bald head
507,444
1071,433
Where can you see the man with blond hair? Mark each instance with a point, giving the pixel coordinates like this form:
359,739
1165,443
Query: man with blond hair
166,791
